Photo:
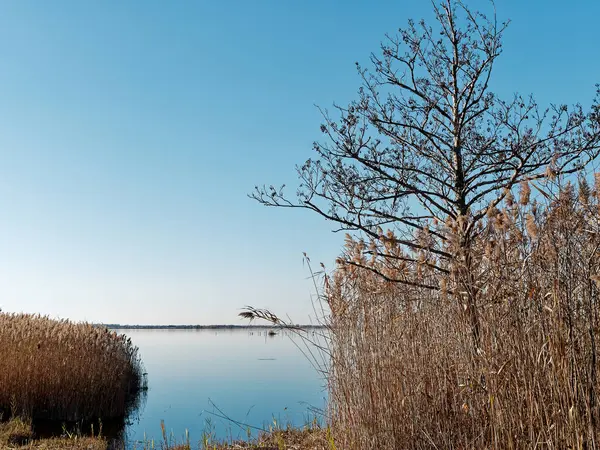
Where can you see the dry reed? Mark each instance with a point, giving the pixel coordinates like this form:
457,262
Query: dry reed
59,370
405,373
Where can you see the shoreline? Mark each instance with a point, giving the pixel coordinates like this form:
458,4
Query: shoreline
18,434
114,326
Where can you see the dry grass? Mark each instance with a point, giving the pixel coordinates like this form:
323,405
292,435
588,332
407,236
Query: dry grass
291,439
310,438
406,372
18,434
58,370
84,443
15,432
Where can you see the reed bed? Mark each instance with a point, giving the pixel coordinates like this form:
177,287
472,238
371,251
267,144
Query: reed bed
18,433
64,371
405,373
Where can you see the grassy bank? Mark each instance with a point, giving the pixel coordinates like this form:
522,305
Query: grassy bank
18,434
64,371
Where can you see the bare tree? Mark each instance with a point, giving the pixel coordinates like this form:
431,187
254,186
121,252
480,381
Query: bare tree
427,142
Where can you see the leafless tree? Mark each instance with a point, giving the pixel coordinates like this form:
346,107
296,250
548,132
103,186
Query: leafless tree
427,142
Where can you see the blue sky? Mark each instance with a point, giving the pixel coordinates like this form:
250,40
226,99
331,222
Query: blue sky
131,132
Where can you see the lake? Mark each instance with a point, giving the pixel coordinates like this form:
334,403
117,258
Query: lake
196,376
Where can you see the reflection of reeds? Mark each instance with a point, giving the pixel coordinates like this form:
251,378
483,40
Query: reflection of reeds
59,370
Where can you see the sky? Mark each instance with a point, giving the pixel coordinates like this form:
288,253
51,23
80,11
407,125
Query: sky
132,132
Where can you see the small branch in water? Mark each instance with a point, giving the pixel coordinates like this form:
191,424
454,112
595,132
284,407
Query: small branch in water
224,416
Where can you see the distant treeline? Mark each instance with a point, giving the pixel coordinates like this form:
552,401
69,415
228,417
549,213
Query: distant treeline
116,326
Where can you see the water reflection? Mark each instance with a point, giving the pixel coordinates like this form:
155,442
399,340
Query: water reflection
198,377
114,429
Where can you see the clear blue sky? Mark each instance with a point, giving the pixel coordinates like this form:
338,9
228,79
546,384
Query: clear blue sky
131,132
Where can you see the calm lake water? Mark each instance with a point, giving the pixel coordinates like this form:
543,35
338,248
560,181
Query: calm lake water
249,376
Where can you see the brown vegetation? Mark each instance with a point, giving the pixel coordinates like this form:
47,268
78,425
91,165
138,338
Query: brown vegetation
404,371
59,370
428,141
18,434
461,316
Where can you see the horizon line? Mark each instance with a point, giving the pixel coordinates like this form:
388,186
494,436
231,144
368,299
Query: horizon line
198,326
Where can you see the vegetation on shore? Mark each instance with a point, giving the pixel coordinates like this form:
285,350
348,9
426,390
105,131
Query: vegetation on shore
63,371
464,312
112,326
18,434
405,373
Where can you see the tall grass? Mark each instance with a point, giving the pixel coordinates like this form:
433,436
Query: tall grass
404,370
59,370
